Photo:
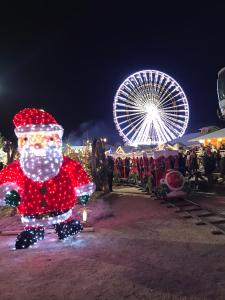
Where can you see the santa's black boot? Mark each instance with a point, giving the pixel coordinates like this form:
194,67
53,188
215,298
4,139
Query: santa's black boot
67,229
29,236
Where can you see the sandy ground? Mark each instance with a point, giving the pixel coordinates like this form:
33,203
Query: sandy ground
139,250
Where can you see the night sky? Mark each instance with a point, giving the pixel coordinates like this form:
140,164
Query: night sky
70,60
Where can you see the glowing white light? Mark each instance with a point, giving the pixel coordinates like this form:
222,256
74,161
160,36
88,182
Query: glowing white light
41,163
84,215
150,108
47,221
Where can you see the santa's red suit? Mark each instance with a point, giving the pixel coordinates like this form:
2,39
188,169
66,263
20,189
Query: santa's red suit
51,199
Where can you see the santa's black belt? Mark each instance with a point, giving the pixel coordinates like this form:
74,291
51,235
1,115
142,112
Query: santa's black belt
46,215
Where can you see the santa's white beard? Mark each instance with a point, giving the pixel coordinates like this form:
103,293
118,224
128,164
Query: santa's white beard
41,164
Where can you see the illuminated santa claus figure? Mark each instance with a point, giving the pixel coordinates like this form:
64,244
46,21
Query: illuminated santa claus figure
43,184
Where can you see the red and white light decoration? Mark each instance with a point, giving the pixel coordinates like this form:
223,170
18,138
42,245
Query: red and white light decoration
174,180
48,183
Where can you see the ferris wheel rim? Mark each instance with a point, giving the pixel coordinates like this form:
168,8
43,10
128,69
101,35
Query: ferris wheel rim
172,82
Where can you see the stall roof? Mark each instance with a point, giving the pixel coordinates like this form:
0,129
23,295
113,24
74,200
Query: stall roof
187,139
212,135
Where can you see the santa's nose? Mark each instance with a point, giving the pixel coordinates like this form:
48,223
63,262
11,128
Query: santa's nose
37,145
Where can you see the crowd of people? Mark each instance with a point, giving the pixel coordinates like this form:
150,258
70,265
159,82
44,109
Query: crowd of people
199,161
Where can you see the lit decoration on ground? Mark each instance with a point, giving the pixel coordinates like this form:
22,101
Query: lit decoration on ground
84,215
150,108
43,184
174,180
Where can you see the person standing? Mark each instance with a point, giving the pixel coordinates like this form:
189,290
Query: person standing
110,168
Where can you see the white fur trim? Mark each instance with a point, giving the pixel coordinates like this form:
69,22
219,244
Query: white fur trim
85,189
46,220
38,128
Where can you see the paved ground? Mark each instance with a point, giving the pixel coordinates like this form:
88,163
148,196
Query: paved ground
213,198
143,251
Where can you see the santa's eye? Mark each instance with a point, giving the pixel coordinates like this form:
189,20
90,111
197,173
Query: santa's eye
51,139
25,139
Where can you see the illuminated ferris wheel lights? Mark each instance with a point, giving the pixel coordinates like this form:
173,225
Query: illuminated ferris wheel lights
150,108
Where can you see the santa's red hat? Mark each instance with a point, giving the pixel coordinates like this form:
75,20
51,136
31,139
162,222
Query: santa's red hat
31,120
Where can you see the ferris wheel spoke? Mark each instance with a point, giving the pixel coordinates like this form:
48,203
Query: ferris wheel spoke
131,99
146,134
128,101
171,127
173,115
141,91
134,127
158,134
130,114
163,86
180,110
169,92
137,99
174,123
162,89
172,112
133,120
127,127
168,127
131,90
133,108
142,97
137,131
169,117
159,85
120,110
149,132
163,130
168,86
171,95
170,99
147,93
142,131
134,136
174,106
154,137
141,135
175,119
167,131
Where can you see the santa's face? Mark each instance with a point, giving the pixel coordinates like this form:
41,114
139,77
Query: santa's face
40,154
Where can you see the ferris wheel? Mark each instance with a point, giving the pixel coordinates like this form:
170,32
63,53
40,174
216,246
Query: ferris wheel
150,108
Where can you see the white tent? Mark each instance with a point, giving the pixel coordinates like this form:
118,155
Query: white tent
218,134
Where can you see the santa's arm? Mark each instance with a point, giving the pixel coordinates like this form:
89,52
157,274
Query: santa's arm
9,187
83,187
